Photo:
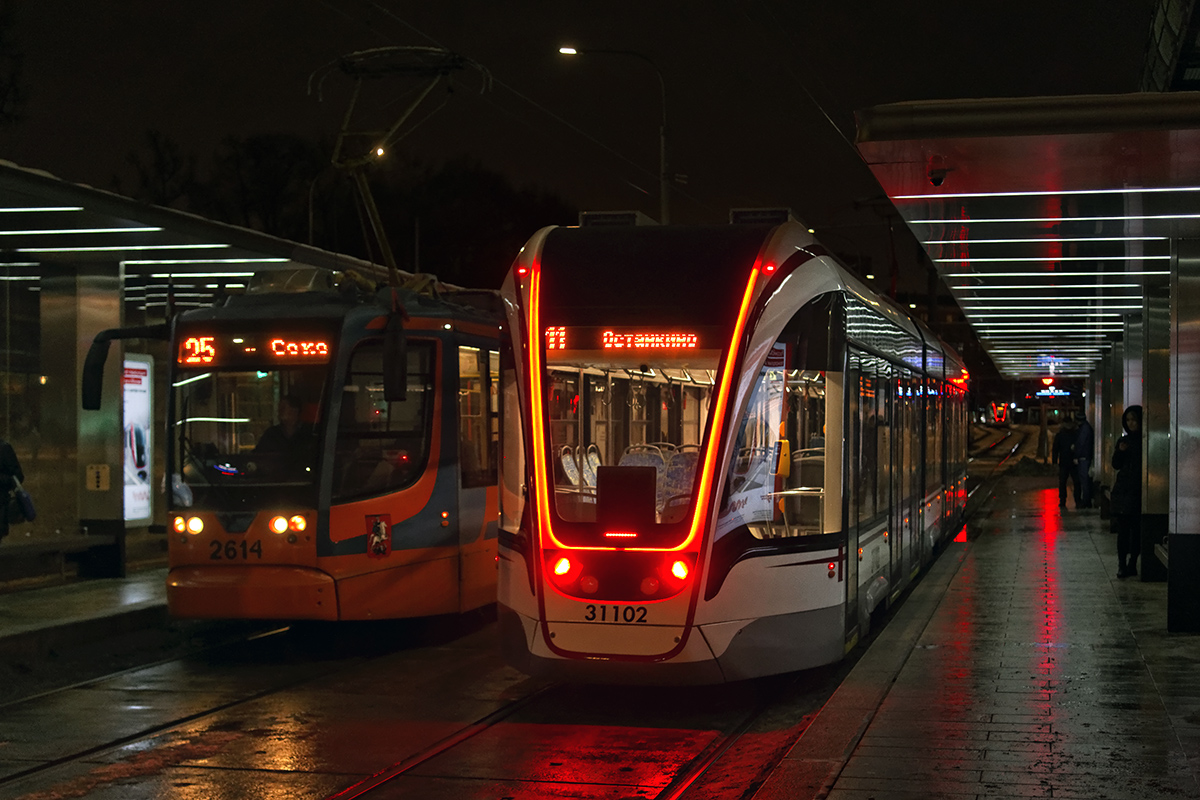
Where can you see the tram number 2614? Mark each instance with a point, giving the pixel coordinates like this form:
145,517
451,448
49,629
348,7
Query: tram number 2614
614,613
230,550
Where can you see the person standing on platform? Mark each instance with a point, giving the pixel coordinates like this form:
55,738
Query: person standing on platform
1085,443
1062,453
10,468
1127,493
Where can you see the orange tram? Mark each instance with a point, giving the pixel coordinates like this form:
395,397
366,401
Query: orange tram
332,451
722,455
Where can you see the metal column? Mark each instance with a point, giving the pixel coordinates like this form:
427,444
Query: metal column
78,301
1183,581
1156,425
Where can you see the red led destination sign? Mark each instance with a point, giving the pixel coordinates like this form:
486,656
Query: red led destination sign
609,339
251,349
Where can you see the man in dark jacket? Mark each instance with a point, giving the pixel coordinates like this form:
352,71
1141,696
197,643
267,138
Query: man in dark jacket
9,468
1127,492
1085,443
1062,453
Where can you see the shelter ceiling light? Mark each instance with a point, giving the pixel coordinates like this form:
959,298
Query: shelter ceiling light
207,261
63,231
989,274
1023,312
37,209
116,247
189,275
1049,239
1051,192
1014,286
972,259
1120,218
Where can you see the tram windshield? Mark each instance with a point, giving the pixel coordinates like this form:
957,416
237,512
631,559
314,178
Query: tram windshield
607,409
247,433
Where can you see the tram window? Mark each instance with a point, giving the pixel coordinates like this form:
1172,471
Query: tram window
610,423
476,417
933,437
382,446
512,465
241,429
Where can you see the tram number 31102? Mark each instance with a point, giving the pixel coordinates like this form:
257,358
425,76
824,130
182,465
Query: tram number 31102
614,613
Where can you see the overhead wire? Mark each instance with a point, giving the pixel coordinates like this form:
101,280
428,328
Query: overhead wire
630,163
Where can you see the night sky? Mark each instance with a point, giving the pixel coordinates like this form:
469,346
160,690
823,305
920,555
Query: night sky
760,95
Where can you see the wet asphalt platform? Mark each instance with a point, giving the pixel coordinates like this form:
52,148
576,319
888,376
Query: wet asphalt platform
1019,666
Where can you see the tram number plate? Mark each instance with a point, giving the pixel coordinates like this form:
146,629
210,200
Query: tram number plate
594,612
233,550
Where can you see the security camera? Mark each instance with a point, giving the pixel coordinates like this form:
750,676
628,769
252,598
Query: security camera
937,176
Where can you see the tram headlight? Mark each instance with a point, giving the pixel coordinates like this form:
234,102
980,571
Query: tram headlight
195,525
179,524
278,524
298,523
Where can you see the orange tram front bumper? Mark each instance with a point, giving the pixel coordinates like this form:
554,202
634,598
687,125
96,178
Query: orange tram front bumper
264,592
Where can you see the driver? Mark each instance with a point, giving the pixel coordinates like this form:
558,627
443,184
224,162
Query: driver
289,437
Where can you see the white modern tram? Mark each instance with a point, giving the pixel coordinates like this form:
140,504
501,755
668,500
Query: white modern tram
721,454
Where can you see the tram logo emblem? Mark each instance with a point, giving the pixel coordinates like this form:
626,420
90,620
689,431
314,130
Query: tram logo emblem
379,535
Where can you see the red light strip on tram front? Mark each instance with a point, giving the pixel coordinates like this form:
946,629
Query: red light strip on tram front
534,328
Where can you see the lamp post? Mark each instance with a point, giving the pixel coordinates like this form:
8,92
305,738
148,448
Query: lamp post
663,203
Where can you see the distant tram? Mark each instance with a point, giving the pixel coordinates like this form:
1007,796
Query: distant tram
332,450
721,454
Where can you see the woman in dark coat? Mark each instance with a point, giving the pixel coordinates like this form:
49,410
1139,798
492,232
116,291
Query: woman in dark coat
1127,493
9,467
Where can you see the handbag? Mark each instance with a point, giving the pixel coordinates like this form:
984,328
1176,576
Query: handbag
22,500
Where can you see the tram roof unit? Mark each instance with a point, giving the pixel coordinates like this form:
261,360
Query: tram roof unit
690,264
312,293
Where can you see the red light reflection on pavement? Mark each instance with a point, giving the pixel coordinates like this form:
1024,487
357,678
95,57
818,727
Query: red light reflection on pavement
1050,629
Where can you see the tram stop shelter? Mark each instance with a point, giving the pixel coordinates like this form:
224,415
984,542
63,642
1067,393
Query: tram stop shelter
1068,231
75,260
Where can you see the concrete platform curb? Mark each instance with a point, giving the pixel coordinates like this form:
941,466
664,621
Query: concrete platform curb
811,767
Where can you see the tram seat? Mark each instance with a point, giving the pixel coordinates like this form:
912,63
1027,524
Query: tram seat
643,455
675,490
681,471
591,462
569,467
648,455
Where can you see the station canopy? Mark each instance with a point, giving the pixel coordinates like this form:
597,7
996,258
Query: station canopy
1046,217
163,256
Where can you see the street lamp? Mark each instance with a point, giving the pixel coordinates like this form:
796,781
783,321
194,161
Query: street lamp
664,216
